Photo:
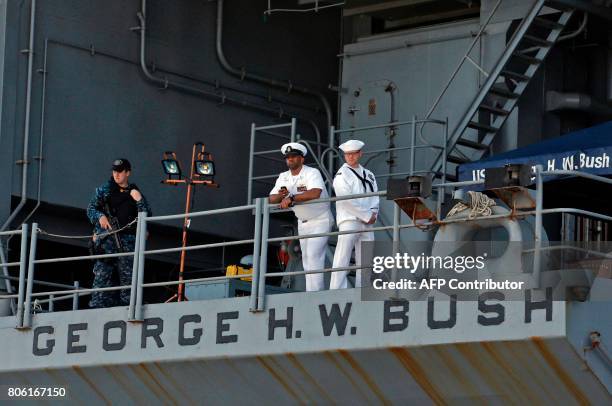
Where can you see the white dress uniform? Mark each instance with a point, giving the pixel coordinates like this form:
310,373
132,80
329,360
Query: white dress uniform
312,219
353,215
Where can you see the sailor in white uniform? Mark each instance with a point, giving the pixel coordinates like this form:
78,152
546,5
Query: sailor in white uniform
355,214
300,184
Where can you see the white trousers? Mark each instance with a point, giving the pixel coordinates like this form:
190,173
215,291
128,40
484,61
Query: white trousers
342,256
313,249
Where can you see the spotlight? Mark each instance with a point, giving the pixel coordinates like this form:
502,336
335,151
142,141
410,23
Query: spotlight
171,165
205,168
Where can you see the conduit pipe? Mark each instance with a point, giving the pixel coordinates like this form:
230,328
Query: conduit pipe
166,83
244,74
576,101
26,139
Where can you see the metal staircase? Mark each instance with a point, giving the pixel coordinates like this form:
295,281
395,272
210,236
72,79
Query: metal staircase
524,53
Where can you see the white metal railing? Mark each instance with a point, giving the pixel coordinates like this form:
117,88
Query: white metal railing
260,242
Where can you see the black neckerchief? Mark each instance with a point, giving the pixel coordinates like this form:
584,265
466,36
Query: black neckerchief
364,180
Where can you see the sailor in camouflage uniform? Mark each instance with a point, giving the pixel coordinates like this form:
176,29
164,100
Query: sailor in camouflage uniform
124,201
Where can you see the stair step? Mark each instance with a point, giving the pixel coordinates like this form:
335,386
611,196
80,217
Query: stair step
515,75
457,159
526,58
472,144
494,110
504,93
548,23
538,41
482,127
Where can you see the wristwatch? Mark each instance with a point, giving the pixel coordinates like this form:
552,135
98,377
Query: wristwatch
292,198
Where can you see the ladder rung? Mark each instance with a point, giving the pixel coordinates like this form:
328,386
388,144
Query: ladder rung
457,159
483,127
538,41
494,110
526,58
472,144
515,75
504,93
548,23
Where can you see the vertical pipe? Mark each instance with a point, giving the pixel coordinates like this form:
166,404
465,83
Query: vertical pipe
444,168
22,273
27,314
293,129
135,266
256,253
251,163
51,300
330,158
538,226
396,239
26,127
75,297
141,263
412,145
263,258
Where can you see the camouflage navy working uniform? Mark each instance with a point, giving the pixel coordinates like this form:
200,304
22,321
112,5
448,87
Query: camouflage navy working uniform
125,209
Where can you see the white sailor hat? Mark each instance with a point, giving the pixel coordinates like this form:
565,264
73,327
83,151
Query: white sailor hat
351,145
293,148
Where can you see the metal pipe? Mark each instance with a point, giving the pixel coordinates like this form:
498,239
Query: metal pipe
202,213
167,83
51,300
75,296
141,263
263,258
256,254
251,158
26,139
39,158
576,101
244,74
135,265
412,145
26,131
27,314
538,225
22,273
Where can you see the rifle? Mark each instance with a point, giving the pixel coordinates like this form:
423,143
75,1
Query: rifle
114,222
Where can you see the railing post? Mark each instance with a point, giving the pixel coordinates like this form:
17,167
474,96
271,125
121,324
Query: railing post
256,253
141,214
50,306
442,191
263,258
22,273
538,225
27,314
142,238
396,242
330,159
75,296
251,163
412,145
293,130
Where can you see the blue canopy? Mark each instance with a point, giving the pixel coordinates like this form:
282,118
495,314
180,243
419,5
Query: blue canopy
586,150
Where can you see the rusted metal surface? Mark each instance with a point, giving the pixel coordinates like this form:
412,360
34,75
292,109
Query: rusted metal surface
533,371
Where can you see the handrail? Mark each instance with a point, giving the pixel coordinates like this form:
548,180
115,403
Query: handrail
260,242
463,59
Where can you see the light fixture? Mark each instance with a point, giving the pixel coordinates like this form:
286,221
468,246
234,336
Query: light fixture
205,167
201,174
171,165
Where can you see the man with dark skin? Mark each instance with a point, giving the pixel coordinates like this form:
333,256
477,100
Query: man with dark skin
300,184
